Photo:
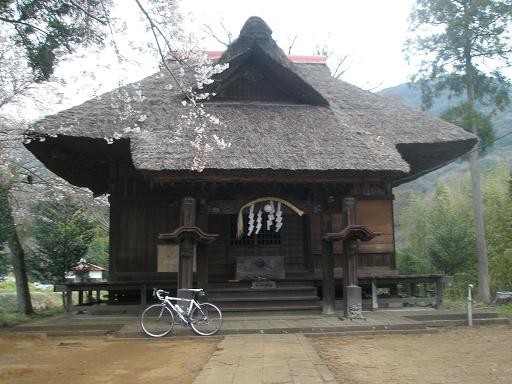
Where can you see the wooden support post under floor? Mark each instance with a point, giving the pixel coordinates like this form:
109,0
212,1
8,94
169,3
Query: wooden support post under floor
143,294
375,295
439,292
68,301
413,291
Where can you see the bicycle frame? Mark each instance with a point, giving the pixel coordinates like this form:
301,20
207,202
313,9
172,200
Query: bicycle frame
167,300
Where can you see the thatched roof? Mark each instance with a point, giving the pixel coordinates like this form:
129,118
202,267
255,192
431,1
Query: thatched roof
326,126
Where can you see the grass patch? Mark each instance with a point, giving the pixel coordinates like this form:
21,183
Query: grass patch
454,304
45,302
505,310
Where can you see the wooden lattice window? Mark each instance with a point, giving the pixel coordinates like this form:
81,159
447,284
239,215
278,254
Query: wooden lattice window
263,238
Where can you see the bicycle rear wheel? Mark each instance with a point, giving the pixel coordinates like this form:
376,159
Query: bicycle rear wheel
206,319
157,320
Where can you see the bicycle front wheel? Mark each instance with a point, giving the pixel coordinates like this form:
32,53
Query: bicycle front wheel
206,319
157,320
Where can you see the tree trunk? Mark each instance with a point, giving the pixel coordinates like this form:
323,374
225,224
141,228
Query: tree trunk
18,264
483,294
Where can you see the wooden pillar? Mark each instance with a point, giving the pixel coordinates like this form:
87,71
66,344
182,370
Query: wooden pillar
413,290
439,292
202,249
98,297
352,293
309,262
375,296
143,295
80,297
68,301
328,288
187,245
350,250
89,297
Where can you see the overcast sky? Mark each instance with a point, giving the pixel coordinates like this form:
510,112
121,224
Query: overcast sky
370,32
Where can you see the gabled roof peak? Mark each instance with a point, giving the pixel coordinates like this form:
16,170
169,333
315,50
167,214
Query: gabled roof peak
255,28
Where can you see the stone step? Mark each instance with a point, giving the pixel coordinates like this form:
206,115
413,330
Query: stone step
256,292
261,298
241,298
453,316
455,322
247,284
248,310
277,302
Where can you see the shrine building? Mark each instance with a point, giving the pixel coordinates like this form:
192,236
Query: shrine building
296,214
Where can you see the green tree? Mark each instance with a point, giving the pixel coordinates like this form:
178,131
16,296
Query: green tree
34,35
62,234
98,252
46,29
412,223
498,209
450,242
10,235
459,41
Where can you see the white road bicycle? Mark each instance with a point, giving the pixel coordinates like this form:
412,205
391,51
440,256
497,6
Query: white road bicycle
157,320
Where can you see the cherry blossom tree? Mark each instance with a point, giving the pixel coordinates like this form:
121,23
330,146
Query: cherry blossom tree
35,37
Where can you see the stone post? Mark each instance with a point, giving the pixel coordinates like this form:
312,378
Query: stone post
352,293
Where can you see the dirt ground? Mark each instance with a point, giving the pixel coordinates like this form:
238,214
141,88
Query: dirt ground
93,360
480,355
462,355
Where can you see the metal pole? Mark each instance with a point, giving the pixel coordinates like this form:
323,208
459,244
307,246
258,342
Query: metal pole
470,308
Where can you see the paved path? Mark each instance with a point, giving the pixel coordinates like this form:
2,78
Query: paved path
265,359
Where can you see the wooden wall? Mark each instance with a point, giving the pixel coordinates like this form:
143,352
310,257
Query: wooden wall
377,215
133,238
136,225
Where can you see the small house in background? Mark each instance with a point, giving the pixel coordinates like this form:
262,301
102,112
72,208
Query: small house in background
296,213
86,272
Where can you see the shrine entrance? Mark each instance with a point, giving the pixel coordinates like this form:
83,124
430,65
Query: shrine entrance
259,256
259,226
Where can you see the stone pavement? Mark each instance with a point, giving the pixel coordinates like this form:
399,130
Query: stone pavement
127,326
265,359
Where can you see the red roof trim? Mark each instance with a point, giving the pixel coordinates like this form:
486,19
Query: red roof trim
307,59
214,55
88,268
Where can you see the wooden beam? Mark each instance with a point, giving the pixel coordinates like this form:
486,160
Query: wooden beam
280,176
